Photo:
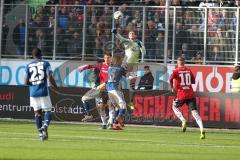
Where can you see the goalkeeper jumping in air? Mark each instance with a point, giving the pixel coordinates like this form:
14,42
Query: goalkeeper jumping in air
133,49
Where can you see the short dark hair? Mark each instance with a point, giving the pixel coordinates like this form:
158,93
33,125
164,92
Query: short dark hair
134,31
146,67
181,59
36,52
108,54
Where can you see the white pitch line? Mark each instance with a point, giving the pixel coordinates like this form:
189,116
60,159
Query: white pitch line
158,143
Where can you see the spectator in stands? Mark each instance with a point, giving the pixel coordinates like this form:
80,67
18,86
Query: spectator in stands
91,35
100,28
79,16
40,41
19,36
100,33
60,43
209,3
50,33
195,39
225,20
186,52
217,44
69,32
30,21
4,33
76,8
237,3
126,16
189,18
51,11
73,21
157,19
74,46
37,24
63,19
190,2
233,23
150,12
213,22
150,38
214,54
235,81
175,3
138,24
198,59
146,81
106,37
160,45
107,16
227,3
181,37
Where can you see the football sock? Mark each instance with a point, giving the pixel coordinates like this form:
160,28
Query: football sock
115,116
198,119
38,120
47,118
111,116
122,112
85,108
103,118
178,113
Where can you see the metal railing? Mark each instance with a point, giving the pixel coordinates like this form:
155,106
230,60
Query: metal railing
201,35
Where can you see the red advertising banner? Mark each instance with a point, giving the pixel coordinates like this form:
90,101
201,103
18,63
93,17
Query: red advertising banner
217,110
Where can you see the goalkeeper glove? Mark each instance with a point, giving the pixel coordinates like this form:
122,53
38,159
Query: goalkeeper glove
114,31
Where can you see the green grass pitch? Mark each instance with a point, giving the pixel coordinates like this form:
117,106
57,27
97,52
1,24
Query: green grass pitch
19,141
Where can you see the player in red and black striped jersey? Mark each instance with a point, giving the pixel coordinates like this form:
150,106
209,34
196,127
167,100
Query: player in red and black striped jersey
181,81
99,94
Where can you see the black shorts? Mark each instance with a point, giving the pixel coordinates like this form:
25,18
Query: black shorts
191,103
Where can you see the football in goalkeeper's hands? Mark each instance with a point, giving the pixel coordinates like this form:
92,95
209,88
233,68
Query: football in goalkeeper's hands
117,15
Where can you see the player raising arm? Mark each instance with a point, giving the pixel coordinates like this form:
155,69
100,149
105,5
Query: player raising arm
99,94
183,86
133,48
38,72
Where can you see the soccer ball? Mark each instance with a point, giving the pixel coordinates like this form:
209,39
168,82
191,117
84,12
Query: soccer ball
117,15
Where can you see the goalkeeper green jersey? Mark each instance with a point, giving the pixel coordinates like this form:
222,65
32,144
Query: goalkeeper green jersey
132,49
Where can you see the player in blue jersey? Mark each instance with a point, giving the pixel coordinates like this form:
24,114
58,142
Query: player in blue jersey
38,72
116,97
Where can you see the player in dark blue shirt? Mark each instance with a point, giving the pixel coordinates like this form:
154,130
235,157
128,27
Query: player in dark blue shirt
38,72
116,97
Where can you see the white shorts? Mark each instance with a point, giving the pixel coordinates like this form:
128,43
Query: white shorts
116,97
43,103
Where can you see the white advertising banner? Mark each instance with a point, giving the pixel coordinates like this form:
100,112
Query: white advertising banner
208,78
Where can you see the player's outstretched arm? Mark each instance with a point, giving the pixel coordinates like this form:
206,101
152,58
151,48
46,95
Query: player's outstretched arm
119,37
86,67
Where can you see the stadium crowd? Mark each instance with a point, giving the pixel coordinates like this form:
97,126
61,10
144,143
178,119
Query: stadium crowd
189,28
